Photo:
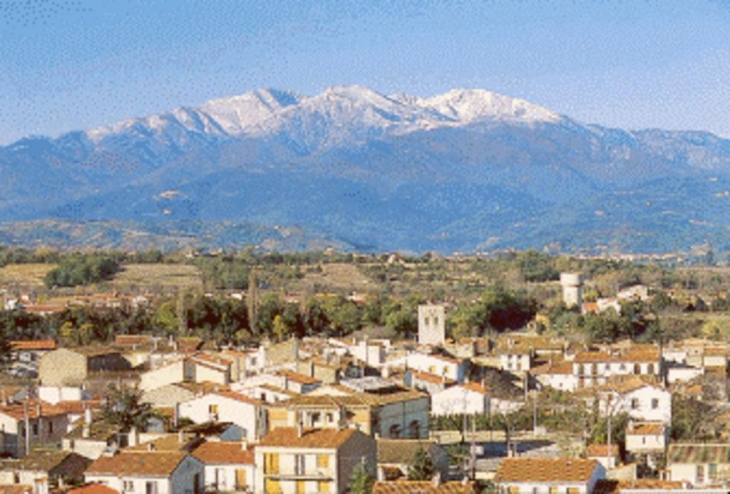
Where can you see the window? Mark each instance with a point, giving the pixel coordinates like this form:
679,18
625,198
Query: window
127,486
712,471
634,403
35,429
330,418
654,403
150,487
323,461
316,417
50,426
323,486
299,467
700,474
650,369
395,431
213,408
637,369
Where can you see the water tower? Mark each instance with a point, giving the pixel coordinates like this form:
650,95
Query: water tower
572,289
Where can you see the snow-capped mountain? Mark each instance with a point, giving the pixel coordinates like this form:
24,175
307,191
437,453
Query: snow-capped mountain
468,169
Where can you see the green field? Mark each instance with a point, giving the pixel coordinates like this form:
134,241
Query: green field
24,275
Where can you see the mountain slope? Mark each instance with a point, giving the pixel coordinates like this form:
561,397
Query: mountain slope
465,170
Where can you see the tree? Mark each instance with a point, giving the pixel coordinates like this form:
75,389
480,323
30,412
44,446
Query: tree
123,406
362,480
421,466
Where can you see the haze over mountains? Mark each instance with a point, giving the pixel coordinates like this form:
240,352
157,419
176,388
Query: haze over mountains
464,171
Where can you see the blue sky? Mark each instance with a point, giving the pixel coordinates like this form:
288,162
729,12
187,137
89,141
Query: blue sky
77,64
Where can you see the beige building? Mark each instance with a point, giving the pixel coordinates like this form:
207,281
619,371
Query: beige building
30,424
431,324
300,460
72,366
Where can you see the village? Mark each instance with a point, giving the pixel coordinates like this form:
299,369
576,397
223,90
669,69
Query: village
520,411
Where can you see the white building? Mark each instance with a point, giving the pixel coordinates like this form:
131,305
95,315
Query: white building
530,475
148,472
228,406
229,466
468,398
431,324
641,401
699,464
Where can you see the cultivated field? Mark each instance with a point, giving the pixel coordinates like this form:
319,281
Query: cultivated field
24,275
151,276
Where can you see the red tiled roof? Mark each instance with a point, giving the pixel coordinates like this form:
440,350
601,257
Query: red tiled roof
224,453
424,487
647,429
545,470
601,450
18,410
310,438
138,463
299,378
476,387
238,397
33,345
431,378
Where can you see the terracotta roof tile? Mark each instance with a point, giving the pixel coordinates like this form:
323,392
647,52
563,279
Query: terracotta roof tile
545,470
138,464
310,438
224,453
33,345
647,429
18,410
482,389
601,450
423,487
299,378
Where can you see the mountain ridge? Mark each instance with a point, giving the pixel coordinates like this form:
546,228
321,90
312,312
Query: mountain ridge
462,171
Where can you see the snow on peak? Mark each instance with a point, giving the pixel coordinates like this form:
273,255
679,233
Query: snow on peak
472,105
250,112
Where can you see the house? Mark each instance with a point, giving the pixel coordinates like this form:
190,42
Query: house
606,455
43,469
423,381
394,456
424,487
298,383
29,424
196,368
227,406
72,366
564,475
148,472
372,405
596,367
30,350
699,464
647,440
92,438
297,459
467,398
641,400
440,365
557,375
228,465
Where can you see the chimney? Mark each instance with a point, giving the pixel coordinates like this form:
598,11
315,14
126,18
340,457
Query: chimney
151,446
87,415
244,444
133,438
300,429
180,436
176,415
86,431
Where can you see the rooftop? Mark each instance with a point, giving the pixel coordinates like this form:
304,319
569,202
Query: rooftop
545,470
224,453
310,438
138,464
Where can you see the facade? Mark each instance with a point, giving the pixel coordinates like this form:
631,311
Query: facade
468,398
439,365
563,475
597,367
297,460
699,464
30,424
72,366
431,324
647,440
572,289
229,466
227,406
642,401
